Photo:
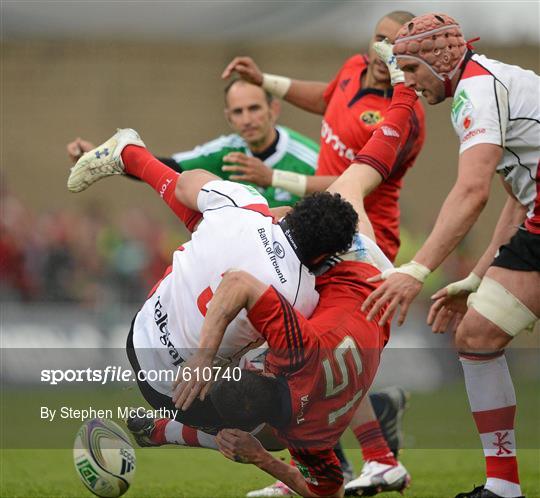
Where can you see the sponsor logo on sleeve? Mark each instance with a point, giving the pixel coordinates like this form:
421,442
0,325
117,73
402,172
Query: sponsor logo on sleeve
389,132
462,111
473,133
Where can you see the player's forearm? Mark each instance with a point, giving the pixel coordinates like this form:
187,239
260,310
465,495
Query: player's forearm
299,184
319,183
230,297
289,475
308,95
458,214
354,185
512,216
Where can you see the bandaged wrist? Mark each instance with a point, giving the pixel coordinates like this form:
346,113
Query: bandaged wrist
294,183
468,284
415,270
276,85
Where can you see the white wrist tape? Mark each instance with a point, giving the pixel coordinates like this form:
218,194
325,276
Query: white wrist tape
276,85
294,183
412,268
468,284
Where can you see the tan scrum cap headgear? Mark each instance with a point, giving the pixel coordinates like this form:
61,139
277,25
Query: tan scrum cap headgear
435,40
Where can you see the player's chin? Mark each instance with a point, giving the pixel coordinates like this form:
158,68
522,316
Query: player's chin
381,74
251,135
432,98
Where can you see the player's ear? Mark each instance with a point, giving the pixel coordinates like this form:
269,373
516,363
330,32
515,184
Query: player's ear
275,109
226,113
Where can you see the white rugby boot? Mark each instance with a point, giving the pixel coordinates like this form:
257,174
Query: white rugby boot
377,478
384,51
276,489
105,160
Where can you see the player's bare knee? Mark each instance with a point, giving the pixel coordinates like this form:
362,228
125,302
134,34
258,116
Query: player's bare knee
467,334
477,334
179,189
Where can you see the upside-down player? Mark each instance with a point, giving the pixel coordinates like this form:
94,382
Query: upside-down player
237,230
323,366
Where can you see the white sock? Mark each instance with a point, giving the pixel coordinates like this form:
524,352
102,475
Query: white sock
503,488
493,404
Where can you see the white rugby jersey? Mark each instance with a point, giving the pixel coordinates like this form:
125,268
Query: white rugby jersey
237,231
499,104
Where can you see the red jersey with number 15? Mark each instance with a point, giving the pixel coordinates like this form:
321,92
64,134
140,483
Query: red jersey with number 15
353,113
328,361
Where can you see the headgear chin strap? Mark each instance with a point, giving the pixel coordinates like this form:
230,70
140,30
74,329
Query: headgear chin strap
435,40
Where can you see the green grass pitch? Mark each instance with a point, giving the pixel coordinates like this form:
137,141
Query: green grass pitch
433,421
202,473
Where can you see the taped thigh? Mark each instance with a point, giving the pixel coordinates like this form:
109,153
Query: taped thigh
501,307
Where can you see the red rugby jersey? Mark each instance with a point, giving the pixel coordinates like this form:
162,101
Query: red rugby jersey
352,115
329,362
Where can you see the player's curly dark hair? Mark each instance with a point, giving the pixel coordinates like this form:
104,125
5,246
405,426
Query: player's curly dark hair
322,224
248,402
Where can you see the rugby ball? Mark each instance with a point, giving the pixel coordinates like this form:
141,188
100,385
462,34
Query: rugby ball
104,458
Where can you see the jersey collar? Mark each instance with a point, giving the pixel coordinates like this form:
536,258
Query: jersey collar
277,150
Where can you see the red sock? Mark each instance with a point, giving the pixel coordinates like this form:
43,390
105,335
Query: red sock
158,434
373,444
140,163
383,148
191,436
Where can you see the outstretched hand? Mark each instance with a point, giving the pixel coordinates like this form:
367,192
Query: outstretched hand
240,446
446,312
450,303
399,289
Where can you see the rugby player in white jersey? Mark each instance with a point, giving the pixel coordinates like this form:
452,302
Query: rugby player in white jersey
496,114
237,230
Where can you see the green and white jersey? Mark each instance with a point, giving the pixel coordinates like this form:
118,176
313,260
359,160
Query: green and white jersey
293,152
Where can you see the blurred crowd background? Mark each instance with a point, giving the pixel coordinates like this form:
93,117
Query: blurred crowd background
79,256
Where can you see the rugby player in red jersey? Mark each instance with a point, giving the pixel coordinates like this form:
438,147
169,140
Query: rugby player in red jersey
353,105
320,367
